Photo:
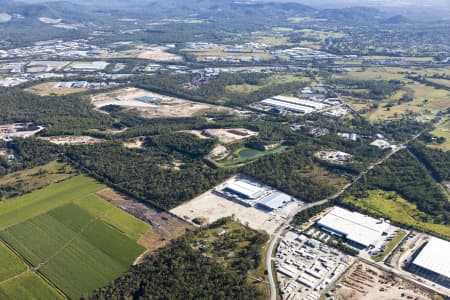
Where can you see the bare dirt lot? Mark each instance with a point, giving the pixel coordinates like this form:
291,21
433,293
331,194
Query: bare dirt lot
225,135
71,140
51,88
152,105
364,282
134,143
406,249
212,207
165,227
156,53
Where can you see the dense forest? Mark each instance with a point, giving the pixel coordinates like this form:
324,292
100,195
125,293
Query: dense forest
147,174
63,114
215,92
308,213
28,153
222,254
179,272
436,160
291,172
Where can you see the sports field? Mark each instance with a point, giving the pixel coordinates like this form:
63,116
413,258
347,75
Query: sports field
78,241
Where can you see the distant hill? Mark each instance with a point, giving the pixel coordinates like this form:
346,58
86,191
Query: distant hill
350,15
398,19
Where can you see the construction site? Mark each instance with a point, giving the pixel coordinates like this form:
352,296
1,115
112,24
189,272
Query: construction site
151,105
266,209
364,281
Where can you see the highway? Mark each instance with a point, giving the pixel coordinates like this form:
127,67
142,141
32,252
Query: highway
276,236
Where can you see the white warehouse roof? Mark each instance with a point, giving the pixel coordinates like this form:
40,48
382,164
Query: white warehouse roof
274,200
435,257
302,102
244,188
354,226
289,106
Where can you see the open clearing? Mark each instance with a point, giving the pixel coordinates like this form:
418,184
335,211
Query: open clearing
225,135
427,100
28,180
71,140
51,88
364,282
76,239
28,286
212,207
442,130
245,155
164,226
155,53
393,207
152,105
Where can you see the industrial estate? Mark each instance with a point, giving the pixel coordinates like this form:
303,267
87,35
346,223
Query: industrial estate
201,149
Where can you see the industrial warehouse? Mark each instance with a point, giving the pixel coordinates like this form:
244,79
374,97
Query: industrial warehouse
433,262
293,104
249,192
359,230
247,200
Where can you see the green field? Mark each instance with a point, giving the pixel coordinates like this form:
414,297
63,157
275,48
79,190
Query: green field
78,241
272,80
442,130
28,180
28,286
19,209
10,264
245,155
427,100
391,206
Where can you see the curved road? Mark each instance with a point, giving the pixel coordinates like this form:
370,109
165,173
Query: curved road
276,236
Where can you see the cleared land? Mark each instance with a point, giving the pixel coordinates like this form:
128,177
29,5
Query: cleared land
152,105
442,130
427,100
391,206
245,155
28,286
164,226
266,82
77,240
156,53
71,140
364,282
25,181
203,54
225,136
50,88
211,207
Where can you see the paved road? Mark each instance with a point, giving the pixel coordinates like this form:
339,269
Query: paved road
276,236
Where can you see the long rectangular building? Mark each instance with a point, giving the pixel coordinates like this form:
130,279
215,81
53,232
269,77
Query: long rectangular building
294,104
433,261
360,229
